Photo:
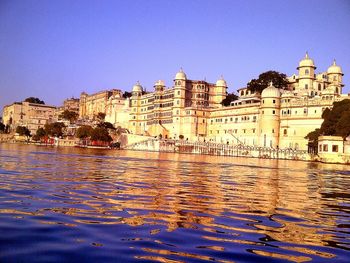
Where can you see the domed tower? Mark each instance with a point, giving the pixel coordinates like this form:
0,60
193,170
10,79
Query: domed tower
180,89
335,77
179,101
159,86
306,73
137,90
135,108
82,104
220,91
269,117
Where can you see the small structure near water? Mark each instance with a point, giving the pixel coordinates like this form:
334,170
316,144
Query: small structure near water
334,149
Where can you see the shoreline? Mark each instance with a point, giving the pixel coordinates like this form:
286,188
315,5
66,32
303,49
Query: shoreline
312,158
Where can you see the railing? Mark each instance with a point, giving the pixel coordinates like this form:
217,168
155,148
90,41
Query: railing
210,148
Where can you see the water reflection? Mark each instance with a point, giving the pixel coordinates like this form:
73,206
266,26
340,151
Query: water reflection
170,207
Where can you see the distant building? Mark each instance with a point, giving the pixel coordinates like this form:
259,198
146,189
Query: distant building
30,115
91,105
71,104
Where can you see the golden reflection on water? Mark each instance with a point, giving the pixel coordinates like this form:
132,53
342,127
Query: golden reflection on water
230,200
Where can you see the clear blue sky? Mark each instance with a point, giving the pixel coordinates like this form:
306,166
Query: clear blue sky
57,49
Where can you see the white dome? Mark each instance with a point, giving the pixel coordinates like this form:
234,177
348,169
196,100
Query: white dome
137,87
334,69
181,75
306,62
159,83
270,92
221,82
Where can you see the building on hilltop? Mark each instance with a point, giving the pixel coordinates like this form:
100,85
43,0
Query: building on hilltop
71,104
91,105
274,118
30,115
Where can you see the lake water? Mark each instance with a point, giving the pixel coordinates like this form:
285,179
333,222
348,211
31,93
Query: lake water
87,205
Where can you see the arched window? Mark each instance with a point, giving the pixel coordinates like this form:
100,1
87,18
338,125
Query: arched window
319,86
285,132
307,71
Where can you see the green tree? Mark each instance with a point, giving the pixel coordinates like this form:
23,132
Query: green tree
100,134
40,133
279,80
7,128
336,122
342,128
313,138
23,131
106,125
101,116
2,127
68,115
127,94
229,98
84,132
54,129
34,100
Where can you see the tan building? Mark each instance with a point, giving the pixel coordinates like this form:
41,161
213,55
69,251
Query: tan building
118,110
179,110
274,118
71,104
91,105
30,115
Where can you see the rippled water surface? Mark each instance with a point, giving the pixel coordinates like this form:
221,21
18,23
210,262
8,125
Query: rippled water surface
81,205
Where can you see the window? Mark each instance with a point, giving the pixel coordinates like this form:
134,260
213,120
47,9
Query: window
307,71
273,101
325,147
178,92
320,148
319,86
273,130
335,148
306,86
285,132
273,112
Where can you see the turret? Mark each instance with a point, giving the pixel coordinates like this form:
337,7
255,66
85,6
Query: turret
306,70
335,77
180,89
270,117
135,108
220,90
137,90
